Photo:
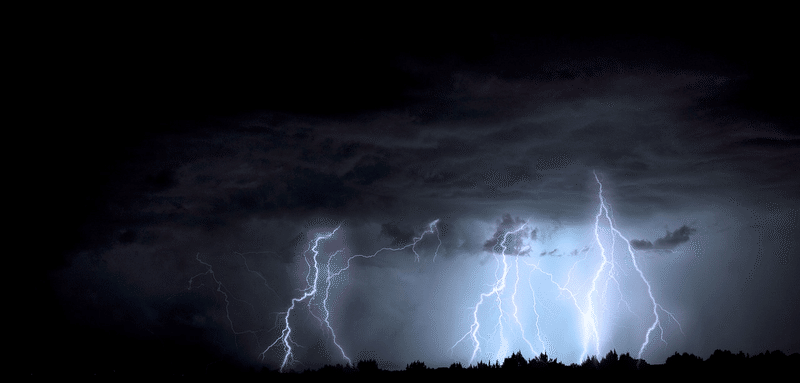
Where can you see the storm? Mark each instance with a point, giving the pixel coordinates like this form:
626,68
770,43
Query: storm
291,200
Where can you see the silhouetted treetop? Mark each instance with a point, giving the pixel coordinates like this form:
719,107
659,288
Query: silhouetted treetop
515,362
369,365
416,366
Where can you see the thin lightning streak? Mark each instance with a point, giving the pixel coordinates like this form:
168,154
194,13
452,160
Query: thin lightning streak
308,292
257,273
315,283
431,226
562,289
328,313
503,350
496,291
516,309
222,290
590,318
589,295
535,312
412,245
656,305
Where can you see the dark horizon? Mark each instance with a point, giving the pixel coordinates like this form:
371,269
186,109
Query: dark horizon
187,163
720,362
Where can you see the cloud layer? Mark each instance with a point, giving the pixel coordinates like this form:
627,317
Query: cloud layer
241,161
668,242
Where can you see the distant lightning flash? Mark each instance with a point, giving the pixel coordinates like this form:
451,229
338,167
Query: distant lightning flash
225,293
588,294
320,277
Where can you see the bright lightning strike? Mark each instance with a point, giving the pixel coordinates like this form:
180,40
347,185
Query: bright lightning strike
600,290
308,293
604,211
497,291
600,279
320,277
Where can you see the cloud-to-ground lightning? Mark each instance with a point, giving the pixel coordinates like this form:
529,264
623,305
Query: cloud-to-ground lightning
604,211
597,295
497,289
320,278
308,293
595,316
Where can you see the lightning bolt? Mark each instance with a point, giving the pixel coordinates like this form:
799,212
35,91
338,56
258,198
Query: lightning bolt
316,282
562,289
226,294
604,212
589,295
514,302
497,290
308,293
590,285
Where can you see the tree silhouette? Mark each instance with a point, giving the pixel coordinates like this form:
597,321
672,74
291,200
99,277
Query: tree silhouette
416,366
627,362
684,362
368,366
591,363
722,364
515,362
610,361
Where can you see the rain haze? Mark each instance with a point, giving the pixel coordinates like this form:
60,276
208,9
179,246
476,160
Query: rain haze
428,195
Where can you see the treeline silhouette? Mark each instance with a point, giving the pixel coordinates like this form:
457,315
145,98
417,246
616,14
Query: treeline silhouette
720,364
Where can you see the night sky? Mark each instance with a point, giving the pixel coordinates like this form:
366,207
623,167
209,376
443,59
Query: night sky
188,166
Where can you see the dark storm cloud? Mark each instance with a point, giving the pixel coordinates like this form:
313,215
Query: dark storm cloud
160,181
496,179
772,143
667,242
555,162
549,253
127,236
372,138
513,242
368,170
399,236
555,252
300,188
311,189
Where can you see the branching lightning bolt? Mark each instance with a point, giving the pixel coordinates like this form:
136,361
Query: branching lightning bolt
315,283
308,293
588,297
588,288
497,291
604,211
225,293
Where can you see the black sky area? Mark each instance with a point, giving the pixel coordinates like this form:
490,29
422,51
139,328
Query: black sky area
153,138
